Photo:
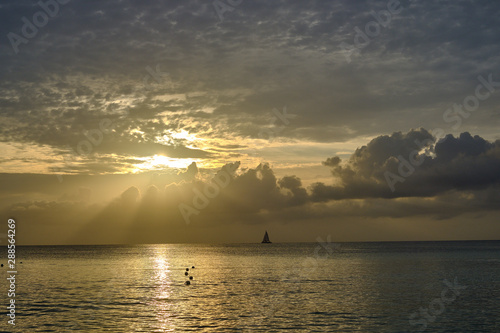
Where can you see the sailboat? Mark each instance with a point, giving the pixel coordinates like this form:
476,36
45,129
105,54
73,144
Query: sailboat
266,238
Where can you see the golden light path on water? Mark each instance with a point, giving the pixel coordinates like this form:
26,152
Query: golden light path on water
163,289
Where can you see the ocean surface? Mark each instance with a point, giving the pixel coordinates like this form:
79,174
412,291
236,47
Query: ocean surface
303,287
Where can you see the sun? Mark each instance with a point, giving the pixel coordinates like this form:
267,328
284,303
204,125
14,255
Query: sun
160,162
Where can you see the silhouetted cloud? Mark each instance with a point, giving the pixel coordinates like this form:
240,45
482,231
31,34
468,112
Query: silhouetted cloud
422,167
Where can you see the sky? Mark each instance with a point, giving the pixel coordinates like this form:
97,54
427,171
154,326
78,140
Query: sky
213,121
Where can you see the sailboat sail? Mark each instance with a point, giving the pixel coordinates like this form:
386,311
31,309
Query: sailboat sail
266,238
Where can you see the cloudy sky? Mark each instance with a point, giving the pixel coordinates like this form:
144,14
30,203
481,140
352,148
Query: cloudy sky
212,121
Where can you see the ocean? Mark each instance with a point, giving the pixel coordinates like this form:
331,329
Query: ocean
302,287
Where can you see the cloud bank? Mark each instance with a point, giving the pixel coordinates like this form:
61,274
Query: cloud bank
456,176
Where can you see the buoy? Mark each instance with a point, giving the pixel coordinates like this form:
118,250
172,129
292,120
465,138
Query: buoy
186,273
187,283
190,278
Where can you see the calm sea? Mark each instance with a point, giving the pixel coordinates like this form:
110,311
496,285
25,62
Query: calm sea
308,287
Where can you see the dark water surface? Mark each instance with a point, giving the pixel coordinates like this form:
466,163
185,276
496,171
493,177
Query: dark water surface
308,287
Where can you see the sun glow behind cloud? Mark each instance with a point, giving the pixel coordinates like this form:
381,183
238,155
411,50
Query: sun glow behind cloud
160,162
183,137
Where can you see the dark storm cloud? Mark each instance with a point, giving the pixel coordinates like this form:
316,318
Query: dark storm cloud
464,163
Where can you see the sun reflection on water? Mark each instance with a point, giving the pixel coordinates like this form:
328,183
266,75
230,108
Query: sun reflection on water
162,276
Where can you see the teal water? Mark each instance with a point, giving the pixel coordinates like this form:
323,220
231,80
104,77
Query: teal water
306,287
